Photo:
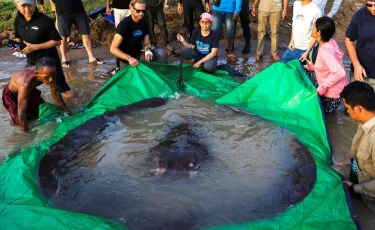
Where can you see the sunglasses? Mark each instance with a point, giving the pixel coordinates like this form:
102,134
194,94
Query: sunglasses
370,5
205,22
139,11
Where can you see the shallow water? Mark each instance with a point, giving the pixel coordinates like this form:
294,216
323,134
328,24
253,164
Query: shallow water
255,170
86,81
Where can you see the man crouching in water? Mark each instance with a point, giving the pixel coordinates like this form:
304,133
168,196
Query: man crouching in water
21,98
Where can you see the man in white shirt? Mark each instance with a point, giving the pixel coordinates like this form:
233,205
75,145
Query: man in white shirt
305,13
322,5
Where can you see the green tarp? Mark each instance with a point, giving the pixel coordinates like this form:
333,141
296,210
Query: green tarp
281,94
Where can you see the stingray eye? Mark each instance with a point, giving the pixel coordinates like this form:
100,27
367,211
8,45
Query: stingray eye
191,164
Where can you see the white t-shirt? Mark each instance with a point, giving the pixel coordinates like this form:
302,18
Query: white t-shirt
304,18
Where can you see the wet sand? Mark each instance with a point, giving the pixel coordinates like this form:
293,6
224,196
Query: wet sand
86,80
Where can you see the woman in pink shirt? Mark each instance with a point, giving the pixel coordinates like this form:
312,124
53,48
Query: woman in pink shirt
329,69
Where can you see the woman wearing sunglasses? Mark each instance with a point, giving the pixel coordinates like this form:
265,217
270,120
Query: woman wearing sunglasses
329,68
204,44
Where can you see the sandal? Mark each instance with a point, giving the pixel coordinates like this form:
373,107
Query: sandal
232,57
65,64
73,45
97,61
113,71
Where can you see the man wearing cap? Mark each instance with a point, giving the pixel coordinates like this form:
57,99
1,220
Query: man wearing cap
39,34
132,35
204,44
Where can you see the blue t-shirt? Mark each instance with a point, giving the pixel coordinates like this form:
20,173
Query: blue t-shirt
204,44
362,30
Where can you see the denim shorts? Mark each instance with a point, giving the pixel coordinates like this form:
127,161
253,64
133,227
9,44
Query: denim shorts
221,17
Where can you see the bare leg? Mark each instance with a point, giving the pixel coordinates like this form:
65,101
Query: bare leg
87,43
64,57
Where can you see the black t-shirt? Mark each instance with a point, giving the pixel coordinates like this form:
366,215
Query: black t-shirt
38,30
120,4
362,30
133,34
204,44
68,7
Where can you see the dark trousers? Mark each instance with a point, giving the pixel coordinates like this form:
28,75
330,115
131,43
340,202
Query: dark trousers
190,7
157,14
245,19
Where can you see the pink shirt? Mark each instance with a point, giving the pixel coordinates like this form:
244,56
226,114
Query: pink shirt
330,71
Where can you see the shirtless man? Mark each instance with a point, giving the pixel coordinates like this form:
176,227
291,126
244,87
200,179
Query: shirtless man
21,98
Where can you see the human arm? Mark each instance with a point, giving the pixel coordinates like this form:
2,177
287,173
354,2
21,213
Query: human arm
182,40
306,53
335,8
359,71
336,69
207,6
209,56
237,10
41,6
22,106
284,13
107,7
115,50
253,10
291,43
147,48
166,6
367,187
179,7
58,98
45,45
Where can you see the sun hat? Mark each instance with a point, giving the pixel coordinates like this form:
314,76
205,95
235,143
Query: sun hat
207,16
23,2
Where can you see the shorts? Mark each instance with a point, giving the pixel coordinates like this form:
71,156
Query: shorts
64,24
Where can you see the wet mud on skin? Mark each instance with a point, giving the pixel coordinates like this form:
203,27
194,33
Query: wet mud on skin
86,80
112,177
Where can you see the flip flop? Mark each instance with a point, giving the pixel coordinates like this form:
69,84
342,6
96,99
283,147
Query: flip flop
113,71
73,45
232,57
65,64
97,61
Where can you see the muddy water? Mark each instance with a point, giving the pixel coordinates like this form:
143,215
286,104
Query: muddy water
86,81
253,172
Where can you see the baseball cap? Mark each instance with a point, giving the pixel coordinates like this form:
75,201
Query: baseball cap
207,16
23,2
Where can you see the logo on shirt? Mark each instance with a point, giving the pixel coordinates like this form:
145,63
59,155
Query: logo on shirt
202,48
137,33
34,28
300,17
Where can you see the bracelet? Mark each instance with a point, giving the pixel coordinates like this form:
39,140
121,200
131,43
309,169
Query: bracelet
148,53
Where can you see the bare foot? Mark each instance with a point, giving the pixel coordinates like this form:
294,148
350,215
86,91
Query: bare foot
275,57
257,57
68,94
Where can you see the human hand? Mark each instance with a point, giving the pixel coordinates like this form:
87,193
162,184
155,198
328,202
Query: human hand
253,11
166,7
359,72
108,11
133,62
291,45
29,48
42,9
148,55
304,56
179,8
208,8
349,183
283,15
197,65
234,17
180,38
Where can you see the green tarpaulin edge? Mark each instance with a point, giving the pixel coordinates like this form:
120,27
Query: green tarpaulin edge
281,94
